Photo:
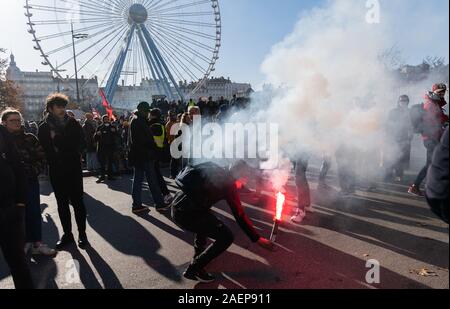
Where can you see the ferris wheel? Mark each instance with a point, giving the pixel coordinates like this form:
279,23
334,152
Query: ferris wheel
128,41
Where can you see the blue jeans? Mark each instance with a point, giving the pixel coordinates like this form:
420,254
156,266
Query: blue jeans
33,218
91,161
430,145
148,170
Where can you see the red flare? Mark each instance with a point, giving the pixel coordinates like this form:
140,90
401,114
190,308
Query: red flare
281,198
239,184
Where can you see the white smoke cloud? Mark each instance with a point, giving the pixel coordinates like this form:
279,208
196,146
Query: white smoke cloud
335,88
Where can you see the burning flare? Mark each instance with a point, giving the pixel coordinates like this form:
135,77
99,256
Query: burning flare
281,198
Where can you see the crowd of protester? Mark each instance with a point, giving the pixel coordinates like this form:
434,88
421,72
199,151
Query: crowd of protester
139,142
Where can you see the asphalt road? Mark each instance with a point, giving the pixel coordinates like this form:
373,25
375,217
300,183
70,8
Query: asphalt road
328,250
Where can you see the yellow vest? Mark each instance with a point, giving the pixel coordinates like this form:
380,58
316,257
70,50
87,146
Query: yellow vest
159,140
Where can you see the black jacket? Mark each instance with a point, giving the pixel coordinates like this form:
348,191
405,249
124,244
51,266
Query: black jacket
399,125
66,147
63,154
107,137
89,129
207,184
12,174
141,143
31,153
438,180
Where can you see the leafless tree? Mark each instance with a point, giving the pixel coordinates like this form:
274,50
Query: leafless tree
392,58
10,93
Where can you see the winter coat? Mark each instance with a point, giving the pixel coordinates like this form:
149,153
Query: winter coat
63,152
434,117
399,126
12,174
205,185
31,153
141,143
89,129
106,136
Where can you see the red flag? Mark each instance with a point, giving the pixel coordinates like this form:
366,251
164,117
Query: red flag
106,105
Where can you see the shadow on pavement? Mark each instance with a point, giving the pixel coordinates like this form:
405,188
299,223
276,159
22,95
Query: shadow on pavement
129,237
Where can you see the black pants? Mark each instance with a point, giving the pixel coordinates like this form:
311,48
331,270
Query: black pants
430,145
346,158
12,242
68,188
204,225
79,209
325,168
106,160
301,182
403,161
175,165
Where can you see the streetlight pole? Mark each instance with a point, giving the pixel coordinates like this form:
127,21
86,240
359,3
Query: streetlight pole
57,71
76,36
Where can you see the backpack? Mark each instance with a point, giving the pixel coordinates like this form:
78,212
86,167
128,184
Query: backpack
417,113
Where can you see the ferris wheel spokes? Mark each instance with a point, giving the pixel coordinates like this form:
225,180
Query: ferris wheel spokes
159,59
118,66
168,41
154,68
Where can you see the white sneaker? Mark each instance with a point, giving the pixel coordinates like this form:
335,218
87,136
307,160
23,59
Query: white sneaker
299,216
43,250
168,199
27,248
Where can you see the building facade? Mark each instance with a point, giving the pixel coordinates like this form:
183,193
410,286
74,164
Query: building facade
36,86
216,88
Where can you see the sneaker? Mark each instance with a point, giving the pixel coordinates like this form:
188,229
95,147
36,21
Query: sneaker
43,249
414,190
204,276
65,241
201,275
168,199
140,209
298,216
83,242
101,179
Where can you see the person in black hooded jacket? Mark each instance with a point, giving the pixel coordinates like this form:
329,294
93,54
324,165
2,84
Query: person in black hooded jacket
12,209
63,140
202,186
